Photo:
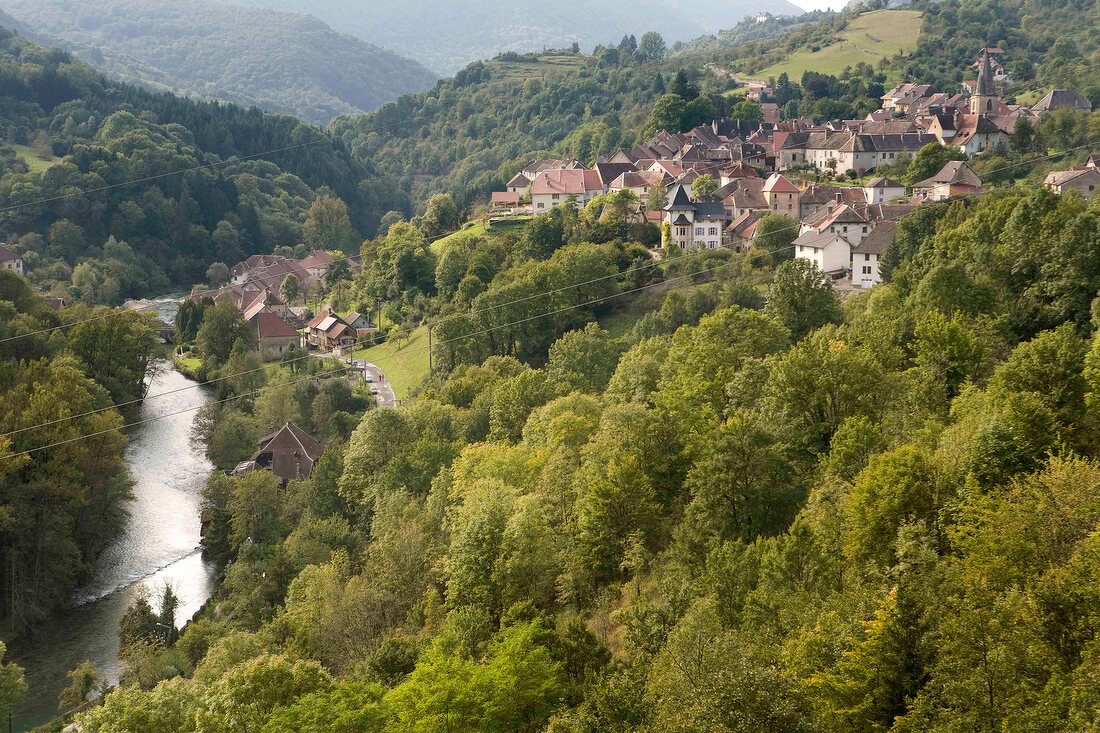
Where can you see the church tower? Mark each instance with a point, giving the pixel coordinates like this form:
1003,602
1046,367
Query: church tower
985,101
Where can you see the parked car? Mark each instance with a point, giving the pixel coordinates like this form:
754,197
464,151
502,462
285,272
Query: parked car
369,379
374,390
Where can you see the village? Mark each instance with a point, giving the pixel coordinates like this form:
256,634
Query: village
820,176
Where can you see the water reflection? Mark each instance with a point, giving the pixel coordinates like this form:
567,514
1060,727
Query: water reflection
159,545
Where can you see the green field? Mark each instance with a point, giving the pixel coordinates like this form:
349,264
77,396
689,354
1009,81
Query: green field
870,37
404,362
513,71
474,229
477,229
33,161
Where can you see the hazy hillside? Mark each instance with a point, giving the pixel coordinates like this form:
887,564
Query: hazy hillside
282,62
447,35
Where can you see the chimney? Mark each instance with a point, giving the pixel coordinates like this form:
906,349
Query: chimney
839,198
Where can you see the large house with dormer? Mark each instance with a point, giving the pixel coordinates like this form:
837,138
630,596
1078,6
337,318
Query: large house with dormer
694,225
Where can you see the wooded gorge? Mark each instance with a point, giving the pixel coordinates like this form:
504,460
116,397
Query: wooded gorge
812,515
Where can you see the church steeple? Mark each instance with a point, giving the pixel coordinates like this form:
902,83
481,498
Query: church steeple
985,100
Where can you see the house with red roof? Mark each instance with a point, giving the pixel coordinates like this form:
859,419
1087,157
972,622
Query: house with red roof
781,195
289,452
274,335
550,188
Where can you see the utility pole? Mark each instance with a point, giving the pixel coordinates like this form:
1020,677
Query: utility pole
429,348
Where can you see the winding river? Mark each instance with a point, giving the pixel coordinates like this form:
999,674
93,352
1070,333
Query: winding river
159,545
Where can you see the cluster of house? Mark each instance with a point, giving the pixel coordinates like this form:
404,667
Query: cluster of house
255,288
845,229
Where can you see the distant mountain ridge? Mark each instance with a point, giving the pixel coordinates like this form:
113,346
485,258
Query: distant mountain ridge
282,62
445,35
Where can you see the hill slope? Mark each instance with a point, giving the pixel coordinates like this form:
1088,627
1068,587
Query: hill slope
869,38
445,36
282,62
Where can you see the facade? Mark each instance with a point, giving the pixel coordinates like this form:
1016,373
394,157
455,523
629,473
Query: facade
273,334
329,332
831,252
879,190
11,261
694,225
1085,181
550,188
781,195
866,256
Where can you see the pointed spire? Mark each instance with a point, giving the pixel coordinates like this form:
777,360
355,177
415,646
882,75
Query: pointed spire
985,77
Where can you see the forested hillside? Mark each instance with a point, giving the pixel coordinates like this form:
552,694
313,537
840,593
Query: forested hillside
810,515
59,508
470,134
250,180
282,62
1045,43
446,36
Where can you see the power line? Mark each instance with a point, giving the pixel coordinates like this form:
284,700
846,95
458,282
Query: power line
310,356
431,324
334,371
798,225
466,314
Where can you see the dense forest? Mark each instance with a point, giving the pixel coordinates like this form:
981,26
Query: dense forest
810,515
470,134
445,37
60,507
284,63
213,182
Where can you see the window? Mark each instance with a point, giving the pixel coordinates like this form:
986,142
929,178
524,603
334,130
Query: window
712,231
845,229
775,207
866,270
542,205
864,230
556,196
698,231
866,258
788,207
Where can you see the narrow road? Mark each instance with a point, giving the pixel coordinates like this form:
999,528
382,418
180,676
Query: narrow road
385,396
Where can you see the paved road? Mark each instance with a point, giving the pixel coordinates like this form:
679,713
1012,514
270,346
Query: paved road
385,396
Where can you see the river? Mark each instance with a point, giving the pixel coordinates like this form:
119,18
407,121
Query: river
159,545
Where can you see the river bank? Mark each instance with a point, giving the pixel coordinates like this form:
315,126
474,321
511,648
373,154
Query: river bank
159,545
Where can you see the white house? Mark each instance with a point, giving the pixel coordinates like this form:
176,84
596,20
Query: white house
879,190
550,188
829,251
694,224
867,254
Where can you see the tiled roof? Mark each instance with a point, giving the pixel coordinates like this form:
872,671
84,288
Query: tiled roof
1062,98
955,172
572,181
817,240
879,239
269,325
6,255
778,184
